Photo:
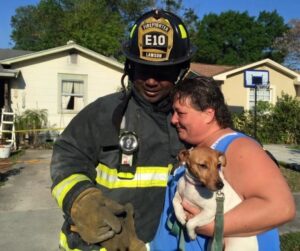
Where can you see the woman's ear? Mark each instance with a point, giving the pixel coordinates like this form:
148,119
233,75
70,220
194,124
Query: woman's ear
210,115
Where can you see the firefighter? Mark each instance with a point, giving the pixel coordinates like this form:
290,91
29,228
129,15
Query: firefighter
110,166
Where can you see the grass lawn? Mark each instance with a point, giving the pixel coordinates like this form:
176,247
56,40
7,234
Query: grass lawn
291,241
292,177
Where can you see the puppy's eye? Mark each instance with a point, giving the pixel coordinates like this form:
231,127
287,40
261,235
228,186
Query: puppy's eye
203,166
219,165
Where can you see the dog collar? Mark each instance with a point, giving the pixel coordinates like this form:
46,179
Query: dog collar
192,179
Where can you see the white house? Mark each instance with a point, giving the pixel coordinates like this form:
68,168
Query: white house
62,80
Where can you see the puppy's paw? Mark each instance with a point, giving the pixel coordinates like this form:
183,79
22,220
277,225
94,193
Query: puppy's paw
181,218
192,234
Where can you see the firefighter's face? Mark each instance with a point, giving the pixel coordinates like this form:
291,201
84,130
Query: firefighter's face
154,83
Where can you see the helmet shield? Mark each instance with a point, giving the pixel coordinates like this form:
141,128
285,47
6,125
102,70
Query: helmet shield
158,38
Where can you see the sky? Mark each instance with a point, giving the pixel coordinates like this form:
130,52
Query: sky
288,9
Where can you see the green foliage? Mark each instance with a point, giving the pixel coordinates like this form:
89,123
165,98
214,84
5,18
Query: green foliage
286,119
231,38
279,124
290,241
234,38
292,177
29,121
99,25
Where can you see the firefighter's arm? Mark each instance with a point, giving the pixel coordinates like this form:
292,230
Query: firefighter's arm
73,173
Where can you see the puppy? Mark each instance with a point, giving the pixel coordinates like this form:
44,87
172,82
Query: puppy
202,178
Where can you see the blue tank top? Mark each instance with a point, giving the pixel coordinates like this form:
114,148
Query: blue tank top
165,240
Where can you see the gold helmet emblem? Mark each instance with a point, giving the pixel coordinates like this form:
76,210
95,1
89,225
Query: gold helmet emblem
155,39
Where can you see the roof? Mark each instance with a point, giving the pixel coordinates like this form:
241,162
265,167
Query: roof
70,46
209,70
223,76
8,73
10,53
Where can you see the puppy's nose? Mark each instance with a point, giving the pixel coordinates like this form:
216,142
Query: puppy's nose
219,185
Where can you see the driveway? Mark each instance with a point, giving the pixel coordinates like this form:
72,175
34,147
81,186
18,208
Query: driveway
29,217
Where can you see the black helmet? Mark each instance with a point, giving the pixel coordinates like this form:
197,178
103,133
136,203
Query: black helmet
158,38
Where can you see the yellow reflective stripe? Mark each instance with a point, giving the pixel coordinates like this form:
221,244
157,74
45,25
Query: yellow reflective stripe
148,246
132,31
126,175
61,189
144,177
64,244
182,31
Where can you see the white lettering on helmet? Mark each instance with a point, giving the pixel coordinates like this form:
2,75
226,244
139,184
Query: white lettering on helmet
155,39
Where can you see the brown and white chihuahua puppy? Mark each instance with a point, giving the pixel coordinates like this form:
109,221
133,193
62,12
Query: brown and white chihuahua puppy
202,178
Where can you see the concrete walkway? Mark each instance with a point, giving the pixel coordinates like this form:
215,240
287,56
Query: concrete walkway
285,154
30,219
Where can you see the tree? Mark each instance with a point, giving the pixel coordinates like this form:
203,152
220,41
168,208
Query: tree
172,5
234,38
274,27
92,24
99,25
38,27
289,44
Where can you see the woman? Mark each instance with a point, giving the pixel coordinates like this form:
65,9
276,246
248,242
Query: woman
201,117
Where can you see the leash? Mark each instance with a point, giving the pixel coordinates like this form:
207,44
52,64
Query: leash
217,242
177,229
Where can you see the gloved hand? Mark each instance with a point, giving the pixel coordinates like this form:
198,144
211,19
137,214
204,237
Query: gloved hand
95,216
127,239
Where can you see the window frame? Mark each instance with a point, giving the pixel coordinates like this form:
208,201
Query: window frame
62,77
250,100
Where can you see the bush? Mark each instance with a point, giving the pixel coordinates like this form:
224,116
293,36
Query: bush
290,241
30,121
279,124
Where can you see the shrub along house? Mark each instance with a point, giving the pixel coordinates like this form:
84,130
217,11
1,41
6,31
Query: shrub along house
232,81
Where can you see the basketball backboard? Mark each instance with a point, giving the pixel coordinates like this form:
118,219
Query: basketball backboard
253,78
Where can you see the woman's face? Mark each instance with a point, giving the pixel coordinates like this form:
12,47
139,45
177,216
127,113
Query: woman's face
191,124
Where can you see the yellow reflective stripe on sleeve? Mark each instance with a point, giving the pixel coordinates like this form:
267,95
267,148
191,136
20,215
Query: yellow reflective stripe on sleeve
126,175
182,31
61,189
64,244
144,177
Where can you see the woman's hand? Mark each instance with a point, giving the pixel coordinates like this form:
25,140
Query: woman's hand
191,211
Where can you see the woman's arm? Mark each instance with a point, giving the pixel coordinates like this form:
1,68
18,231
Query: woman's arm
267,200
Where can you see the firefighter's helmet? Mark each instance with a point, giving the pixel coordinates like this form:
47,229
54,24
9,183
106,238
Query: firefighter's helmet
158,38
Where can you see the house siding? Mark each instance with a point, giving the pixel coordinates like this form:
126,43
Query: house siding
37,87
237,96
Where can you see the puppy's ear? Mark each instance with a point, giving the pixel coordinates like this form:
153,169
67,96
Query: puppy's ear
222,159
183,156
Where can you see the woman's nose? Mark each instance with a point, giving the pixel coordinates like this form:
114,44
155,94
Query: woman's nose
174,119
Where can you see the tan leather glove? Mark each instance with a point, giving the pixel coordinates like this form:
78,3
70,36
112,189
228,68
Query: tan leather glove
127,239
95,216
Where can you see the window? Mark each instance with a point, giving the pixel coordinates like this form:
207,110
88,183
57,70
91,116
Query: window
72,93
263,94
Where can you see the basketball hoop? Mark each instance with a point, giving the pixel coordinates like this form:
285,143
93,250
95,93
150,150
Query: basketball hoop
256,79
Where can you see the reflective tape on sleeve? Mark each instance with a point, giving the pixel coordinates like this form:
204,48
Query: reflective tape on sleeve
144,177
60,191
63,243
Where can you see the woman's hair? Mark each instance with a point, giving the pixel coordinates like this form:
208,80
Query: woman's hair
204,93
